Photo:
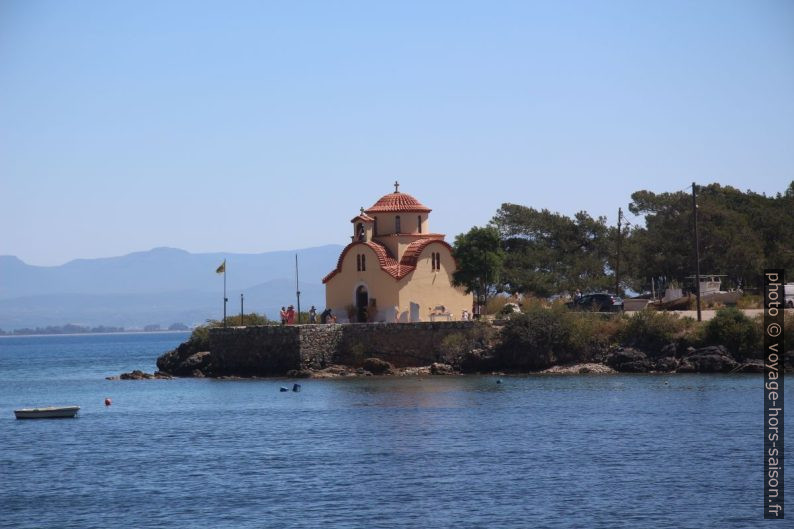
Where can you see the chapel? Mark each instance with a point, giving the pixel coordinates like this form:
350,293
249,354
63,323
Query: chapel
395,269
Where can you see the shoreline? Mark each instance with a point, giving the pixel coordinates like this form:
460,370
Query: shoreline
91,334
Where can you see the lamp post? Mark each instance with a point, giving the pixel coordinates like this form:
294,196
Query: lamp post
697,249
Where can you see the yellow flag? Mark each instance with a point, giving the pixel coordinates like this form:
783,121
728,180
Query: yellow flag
222,268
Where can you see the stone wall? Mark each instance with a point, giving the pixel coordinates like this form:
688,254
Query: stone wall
274,350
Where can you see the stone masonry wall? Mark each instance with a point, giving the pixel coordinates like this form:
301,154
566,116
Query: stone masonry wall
265,350
274,350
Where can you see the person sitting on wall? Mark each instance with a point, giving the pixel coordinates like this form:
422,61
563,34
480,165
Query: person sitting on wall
324,317
290,315
283,315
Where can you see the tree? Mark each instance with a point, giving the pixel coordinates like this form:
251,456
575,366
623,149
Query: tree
548,253
479,257
741,233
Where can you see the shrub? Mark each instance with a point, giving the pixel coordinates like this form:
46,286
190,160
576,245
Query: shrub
650,330
495,304
595,333
738,333
750,301
200,337
536,339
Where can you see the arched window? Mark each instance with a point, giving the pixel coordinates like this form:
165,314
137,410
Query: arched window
397,224
358,262
436,260
376,226
360,231
363,263
419,223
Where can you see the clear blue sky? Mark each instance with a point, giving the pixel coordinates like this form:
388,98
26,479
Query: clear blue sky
255,126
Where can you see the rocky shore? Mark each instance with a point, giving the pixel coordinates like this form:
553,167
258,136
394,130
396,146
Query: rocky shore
184,362
548,342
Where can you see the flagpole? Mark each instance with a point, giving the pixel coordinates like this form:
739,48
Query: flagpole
297,288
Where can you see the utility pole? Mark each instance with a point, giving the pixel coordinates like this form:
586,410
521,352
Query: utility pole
241,309
697,249
617,263
225,299
297,288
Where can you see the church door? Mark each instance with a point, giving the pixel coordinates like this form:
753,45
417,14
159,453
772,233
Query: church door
362,301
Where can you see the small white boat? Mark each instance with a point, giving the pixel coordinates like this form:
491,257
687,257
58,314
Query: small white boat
52,412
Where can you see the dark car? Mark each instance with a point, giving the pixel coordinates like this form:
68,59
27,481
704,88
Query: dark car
598,303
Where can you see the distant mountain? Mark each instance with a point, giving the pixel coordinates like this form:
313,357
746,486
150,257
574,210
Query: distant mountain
161,286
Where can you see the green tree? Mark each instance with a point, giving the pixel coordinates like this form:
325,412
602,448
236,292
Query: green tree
740,234
479,257
548,253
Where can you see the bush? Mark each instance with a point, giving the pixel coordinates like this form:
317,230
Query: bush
200,337
536,339
738,333
495,304
651,330
750,301
595,333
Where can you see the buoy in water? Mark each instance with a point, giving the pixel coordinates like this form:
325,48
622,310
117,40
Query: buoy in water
108,402
283,389
296,387
498,380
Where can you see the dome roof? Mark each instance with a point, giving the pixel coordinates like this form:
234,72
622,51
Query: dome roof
397,202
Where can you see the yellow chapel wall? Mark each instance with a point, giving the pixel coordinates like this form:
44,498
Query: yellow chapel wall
340,290
429,289
409,222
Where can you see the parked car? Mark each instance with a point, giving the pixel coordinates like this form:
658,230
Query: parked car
597,303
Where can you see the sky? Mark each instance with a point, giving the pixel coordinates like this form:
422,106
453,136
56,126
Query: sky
249,127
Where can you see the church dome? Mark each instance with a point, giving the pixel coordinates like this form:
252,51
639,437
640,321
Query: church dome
397,202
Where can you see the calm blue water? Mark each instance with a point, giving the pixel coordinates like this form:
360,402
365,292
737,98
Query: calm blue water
614,451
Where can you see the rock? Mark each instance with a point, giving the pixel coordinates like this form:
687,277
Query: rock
709,349
629,360
751,366
580,369
196,361
669,350
666,364
300,373
163,376
711,359
376,366
136,375
413,371
477,361
437,368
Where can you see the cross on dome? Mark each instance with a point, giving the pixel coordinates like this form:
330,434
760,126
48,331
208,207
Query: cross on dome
396,186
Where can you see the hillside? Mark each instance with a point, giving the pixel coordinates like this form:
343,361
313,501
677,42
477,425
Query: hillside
161,286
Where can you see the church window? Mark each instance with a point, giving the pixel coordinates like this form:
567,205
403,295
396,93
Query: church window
436,260
397,224
363,263
419,223
358,262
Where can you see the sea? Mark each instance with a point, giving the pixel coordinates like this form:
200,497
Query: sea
678,451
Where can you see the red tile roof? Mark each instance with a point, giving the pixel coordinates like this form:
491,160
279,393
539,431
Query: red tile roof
362,216
397,202
386,260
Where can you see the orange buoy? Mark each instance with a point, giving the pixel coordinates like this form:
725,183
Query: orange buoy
108,402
